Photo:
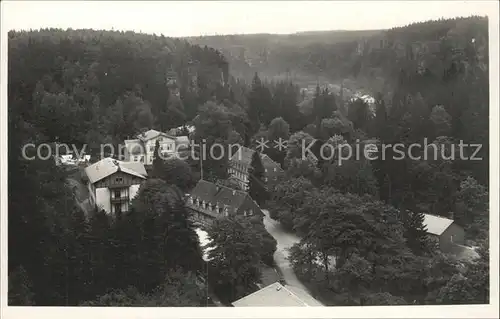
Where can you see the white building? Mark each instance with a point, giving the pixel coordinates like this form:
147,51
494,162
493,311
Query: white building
113,184
142,149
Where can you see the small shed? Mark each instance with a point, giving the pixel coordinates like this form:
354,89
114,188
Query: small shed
444,231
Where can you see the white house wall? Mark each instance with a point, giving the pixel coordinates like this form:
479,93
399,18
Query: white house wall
133,190
103,199
167,145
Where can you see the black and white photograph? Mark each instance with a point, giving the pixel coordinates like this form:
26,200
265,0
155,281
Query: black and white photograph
170,156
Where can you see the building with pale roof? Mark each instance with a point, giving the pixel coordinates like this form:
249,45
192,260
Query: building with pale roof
444,231
112,184
142,148
278,295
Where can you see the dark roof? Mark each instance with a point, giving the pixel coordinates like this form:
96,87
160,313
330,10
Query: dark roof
213,193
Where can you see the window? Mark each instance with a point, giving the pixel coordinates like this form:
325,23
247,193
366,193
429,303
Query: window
118,208
151,148
160,139
117,194
119,179
136,158
142,159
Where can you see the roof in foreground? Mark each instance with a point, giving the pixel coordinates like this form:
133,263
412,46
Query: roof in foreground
436,225
108,166
277,295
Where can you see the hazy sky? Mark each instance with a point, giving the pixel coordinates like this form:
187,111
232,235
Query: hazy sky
231,17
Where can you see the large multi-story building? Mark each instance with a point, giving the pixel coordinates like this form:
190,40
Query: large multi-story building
142,149
240,163
208,201
113,184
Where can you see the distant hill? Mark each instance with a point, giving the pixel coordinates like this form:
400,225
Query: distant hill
97,74
369,60
264,53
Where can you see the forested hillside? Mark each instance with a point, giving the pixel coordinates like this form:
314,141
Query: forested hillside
102,85
265,53
445,62
94,87
372,57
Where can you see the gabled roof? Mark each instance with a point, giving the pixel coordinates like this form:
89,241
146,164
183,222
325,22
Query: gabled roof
213,193
244,156
109,166
277,295
146,136
436,225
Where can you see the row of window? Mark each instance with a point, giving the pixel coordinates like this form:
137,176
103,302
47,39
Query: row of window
240,168
138,158
244,177
167,148
240,175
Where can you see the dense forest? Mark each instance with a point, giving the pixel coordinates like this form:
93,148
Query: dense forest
363,241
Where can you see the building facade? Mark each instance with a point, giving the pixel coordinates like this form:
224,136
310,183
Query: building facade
113,184
444,232
240,163
142,149
209,201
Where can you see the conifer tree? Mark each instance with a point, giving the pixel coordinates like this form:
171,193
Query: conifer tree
416,233
256,184
158,163
380,117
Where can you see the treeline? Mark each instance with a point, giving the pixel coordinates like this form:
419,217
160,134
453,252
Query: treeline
268,54
91,87
59,256
356,251
368,55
